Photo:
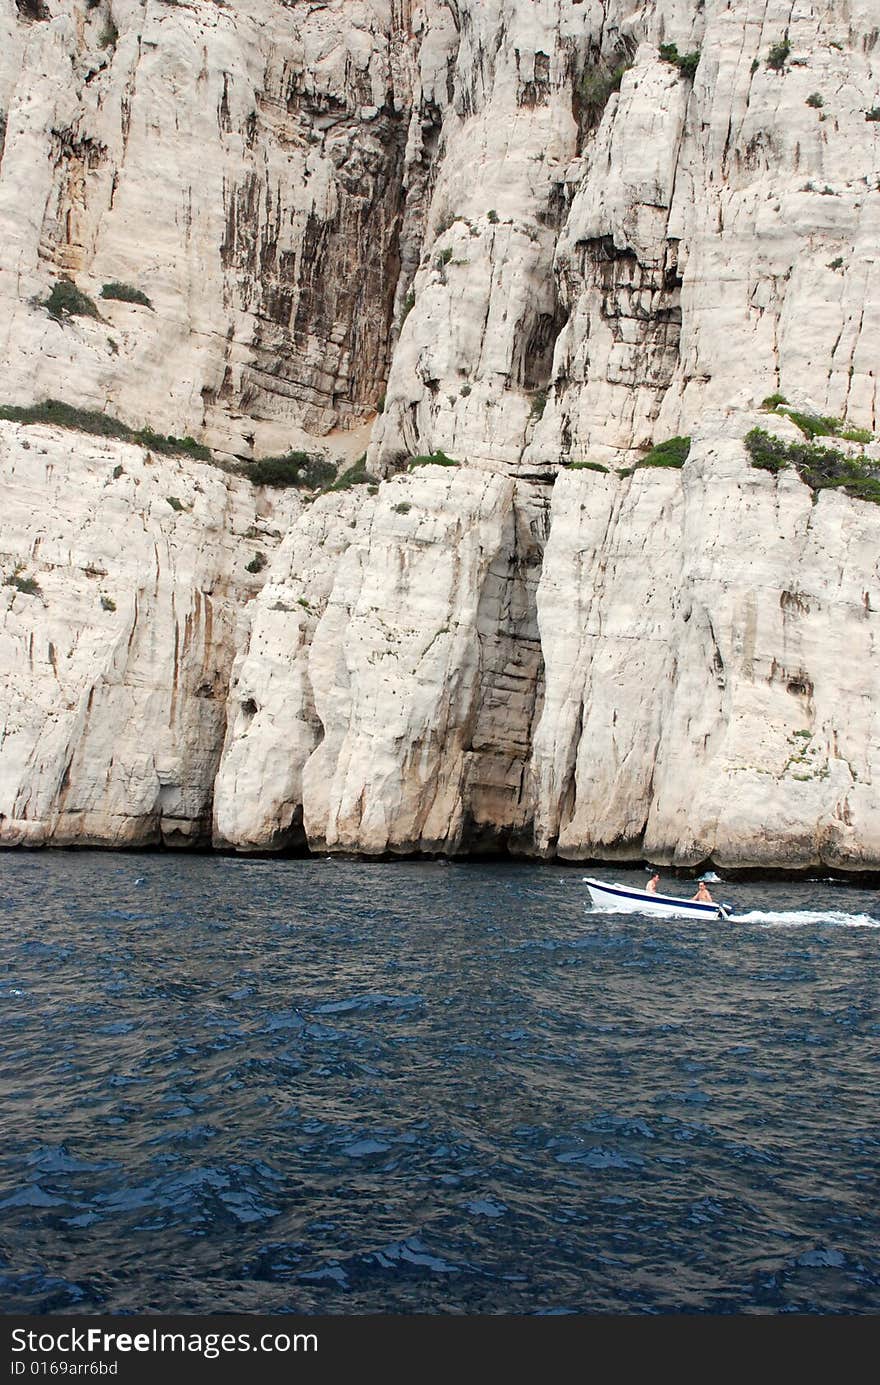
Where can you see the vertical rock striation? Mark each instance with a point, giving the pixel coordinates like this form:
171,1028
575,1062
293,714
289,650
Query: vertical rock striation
717,699
125,575
242,167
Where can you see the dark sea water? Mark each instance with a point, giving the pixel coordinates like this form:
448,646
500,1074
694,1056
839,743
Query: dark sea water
327,1087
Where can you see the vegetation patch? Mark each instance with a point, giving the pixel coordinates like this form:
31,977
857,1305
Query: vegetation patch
304,470
773,401
598,84
815,100
815,425
257,563
403,507
432,459
819,425
66,300
778,55
820,468
61,415
687,63
28,586
873,113
107,603
356,475
587,466
674,452
175,504
125,293
539,404
446,223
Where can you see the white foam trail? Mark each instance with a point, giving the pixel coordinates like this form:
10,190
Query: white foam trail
805,918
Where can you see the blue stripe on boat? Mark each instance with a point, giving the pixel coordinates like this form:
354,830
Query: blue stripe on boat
646,897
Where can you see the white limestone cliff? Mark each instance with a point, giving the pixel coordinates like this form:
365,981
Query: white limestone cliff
710,645
125,575
528,240
694,677
240,167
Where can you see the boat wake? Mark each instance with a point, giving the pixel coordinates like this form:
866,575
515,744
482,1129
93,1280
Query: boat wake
806,918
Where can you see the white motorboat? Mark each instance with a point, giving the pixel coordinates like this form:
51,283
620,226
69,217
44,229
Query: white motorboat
610,898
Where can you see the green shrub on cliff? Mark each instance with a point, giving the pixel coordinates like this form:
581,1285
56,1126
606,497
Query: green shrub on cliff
597,86
674,452
66,300
820,468
304,470
355,475
778,55
102,425
687,63
28,586
432,459
125,293
817,425
767,452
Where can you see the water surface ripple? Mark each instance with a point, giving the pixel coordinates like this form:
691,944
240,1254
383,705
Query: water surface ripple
329,1086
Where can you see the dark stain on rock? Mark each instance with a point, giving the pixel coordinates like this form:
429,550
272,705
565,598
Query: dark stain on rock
32,9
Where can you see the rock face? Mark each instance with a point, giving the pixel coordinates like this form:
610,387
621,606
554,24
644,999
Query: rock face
689,674
719,699
125,575
625,266
241,167
527,234
397,637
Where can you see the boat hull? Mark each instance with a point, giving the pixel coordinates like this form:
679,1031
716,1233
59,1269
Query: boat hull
609,898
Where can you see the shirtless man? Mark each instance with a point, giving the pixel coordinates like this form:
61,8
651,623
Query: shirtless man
652,884
702,896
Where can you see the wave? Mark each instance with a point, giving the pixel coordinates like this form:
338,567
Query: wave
806,918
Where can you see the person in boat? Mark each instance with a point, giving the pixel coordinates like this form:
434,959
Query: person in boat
702,896
652,884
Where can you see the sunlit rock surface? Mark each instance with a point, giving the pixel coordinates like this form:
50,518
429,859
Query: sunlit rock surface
516,232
